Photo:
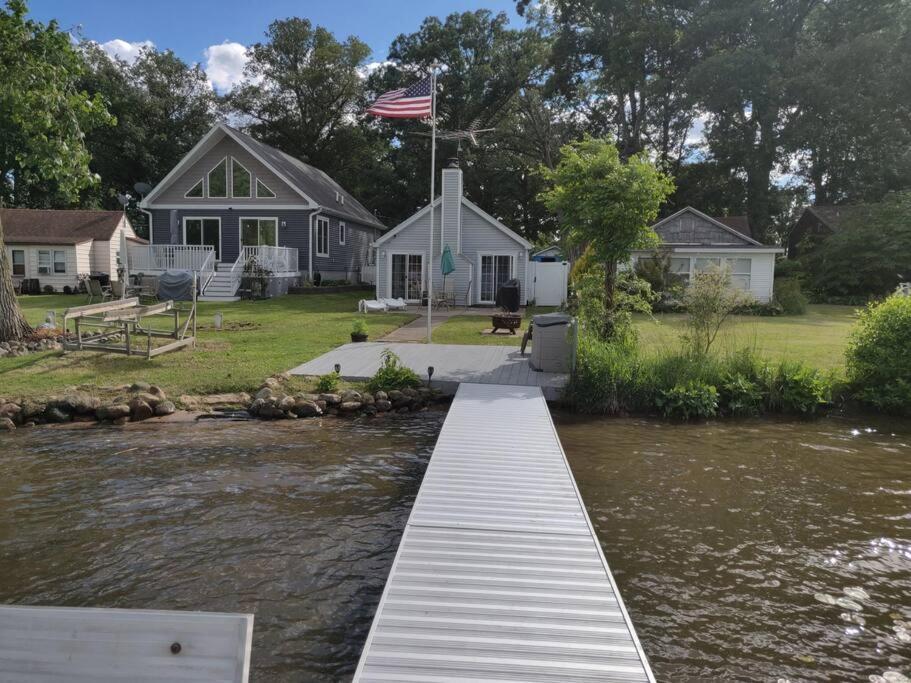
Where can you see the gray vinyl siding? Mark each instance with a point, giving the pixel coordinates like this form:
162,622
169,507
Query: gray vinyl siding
174,193
478,237
688,228
293,225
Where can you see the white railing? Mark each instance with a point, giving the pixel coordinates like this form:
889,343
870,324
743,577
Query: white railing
150,257
207,271
274,259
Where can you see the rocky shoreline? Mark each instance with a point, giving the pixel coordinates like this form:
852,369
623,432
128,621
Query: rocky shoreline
141,401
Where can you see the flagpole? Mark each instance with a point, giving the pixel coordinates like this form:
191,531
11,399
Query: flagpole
433,161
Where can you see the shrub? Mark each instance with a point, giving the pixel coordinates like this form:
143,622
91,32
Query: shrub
878,357
67,289
48,289
710,300
328,383
740,395
792,387
393,375
606,378
789,296
693,400
359,326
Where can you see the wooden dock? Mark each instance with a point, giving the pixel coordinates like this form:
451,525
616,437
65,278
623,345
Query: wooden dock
453,364
499,575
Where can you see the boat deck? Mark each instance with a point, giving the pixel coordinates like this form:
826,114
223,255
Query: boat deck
499,575
453,364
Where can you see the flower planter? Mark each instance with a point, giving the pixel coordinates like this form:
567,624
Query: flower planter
358,337
506,321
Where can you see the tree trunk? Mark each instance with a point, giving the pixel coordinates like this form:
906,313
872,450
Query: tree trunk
12,324
610,286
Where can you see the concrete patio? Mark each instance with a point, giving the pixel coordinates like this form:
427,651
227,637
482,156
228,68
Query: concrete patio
452,363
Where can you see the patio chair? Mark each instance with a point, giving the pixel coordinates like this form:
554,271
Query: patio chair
370,305
148,288
395,304
96,291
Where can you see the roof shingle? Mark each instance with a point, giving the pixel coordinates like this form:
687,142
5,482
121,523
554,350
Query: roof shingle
57,226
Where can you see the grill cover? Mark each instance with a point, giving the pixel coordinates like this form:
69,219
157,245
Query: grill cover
176,285
508,296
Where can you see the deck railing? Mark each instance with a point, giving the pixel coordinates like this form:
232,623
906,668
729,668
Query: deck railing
274,259
147,257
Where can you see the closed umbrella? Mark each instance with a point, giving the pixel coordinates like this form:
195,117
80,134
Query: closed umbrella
447,265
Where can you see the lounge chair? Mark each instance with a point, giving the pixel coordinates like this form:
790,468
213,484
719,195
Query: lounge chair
370,306
395,304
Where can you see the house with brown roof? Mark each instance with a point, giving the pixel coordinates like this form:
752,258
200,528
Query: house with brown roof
55,246
698,242
815,224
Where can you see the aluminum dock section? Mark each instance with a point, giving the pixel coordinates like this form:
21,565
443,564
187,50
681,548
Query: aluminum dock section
499,575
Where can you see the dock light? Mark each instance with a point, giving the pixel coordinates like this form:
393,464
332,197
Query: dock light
219,318
338,368
429,374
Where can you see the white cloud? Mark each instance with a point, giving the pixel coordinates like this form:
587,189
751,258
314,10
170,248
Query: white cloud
368,69
122,49
225,65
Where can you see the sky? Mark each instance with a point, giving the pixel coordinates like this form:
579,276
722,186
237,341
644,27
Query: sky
215,33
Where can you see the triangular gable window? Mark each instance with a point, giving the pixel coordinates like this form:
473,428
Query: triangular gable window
218,179
195,191
240,179
262,191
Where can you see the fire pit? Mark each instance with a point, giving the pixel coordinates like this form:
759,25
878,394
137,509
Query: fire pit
506,321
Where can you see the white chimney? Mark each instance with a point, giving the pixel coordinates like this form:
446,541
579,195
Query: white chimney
451,228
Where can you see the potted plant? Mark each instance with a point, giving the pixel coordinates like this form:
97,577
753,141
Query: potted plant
359,330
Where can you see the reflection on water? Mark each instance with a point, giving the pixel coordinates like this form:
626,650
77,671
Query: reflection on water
295,522
756,551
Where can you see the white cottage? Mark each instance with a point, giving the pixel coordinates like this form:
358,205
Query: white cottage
486,252
698,242
55,246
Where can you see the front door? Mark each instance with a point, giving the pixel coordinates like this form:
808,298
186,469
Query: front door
495,270
203,232
407,276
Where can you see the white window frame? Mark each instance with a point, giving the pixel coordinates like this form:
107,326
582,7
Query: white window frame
202,184
227,180
260,182
13,262
240,231
748,275
249,194
512,271
406,254
221,243
321,223
342,233
54,261
47,266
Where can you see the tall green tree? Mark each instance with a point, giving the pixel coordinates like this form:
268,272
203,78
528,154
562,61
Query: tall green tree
43,121
606,203
163,107
304,90
850,130
488,68
44,116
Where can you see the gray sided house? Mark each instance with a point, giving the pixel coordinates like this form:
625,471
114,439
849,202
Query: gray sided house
697,242
486,252
233,201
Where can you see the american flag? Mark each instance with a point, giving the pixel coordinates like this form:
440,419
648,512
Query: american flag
414,102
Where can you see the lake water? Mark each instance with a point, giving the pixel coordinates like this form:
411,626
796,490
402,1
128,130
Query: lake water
744,550
756,551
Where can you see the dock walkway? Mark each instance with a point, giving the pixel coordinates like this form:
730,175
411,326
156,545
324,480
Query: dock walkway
499,575
452,363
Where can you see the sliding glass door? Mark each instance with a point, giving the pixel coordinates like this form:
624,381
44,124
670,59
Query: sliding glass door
407,276
495,270
203,232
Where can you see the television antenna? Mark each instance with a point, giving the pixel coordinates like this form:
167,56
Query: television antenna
469,134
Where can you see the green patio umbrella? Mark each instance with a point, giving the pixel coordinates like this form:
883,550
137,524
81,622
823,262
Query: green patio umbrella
447,263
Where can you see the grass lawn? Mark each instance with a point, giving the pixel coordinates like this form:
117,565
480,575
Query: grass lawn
467,329
817,338
261,338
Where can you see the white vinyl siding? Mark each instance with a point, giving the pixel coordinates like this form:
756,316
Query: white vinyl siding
753,272
72,259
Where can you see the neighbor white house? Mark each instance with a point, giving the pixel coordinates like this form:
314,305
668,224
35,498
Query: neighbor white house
697,242
486,252
55,246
